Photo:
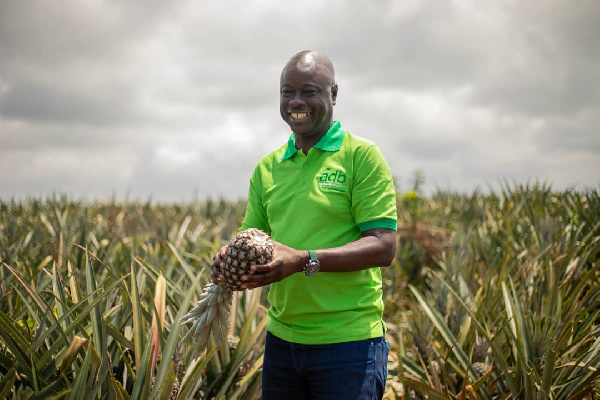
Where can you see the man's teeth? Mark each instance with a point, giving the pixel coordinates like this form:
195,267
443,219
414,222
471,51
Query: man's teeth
299,115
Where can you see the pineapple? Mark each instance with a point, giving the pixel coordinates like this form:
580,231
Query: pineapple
247,248
480,356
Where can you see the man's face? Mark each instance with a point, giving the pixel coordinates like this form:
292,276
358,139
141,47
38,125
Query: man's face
307,97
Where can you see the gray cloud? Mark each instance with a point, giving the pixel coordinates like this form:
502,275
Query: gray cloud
34,102
168,99
547,62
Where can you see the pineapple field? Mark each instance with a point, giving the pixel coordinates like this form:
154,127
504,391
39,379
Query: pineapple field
491,296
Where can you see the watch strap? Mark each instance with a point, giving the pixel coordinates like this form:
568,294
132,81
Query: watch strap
312,266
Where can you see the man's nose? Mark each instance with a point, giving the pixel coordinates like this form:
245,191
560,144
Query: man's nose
297,100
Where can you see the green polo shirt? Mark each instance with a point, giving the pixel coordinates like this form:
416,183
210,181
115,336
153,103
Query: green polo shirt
324,199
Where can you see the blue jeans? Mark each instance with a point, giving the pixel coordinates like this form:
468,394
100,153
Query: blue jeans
350,370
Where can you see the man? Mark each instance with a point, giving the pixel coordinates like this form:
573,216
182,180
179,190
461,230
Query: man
328,201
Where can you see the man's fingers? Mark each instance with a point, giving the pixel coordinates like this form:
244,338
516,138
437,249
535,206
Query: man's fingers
217,279
218,266
260,268
255,280
253,285
221,254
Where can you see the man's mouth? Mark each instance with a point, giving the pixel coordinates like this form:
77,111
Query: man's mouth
299,115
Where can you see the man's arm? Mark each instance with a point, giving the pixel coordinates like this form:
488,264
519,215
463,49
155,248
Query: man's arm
375,248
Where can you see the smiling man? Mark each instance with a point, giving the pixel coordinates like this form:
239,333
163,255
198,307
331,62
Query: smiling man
308,93
328,201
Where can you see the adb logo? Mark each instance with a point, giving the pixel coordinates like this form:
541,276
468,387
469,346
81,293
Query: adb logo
332,181
332,176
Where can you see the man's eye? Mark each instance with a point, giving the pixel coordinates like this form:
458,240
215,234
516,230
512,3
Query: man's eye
310,92
286,92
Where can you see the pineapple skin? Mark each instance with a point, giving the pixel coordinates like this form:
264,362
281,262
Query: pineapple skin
249,247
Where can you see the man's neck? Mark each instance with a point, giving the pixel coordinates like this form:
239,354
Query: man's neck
305,144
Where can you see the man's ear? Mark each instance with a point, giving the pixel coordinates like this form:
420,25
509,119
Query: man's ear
334,92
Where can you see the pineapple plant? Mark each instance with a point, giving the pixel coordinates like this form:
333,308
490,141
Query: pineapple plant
480,355
249,247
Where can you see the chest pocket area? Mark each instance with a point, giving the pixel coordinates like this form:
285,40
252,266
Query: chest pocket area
333,180
333,187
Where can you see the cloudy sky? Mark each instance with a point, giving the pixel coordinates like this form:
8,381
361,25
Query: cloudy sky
174,99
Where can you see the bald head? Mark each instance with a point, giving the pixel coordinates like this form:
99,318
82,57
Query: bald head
307,95
314,63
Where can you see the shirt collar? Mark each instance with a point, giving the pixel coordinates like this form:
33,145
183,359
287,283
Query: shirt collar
331,141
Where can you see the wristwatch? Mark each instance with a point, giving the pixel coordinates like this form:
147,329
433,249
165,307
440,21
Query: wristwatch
312,266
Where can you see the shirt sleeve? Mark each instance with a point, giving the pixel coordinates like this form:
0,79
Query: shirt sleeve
373,192
256,214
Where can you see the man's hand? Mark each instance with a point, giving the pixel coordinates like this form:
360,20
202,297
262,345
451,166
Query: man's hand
285,262
217,266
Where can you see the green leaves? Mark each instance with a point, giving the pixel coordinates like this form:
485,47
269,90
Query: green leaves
506,307
77,296
91,297
534,254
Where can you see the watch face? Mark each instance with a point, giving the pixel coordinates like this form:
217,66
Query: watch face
311,268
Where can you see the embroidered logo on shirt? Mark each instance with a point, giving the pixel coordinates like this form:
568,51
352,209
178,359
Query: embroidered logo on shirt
332,180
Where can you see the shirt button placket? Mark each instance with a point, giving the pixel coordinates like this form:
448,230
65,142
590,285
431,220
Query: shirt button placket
304,174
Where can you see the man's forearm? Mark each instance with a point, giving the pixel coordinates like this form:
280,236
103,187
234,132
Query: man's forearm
376,248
